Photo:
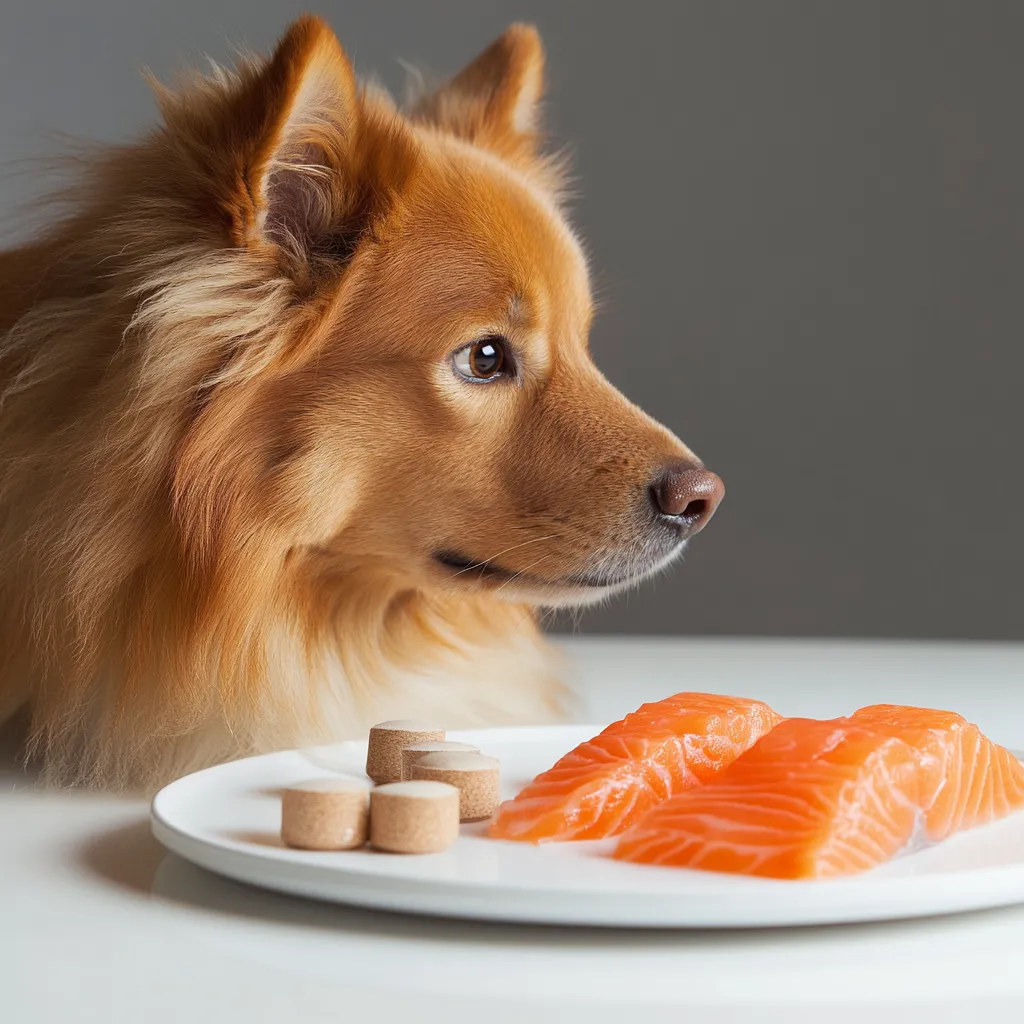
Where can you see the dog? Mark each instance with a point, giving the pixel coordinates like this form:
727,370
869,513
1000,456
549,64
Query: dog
298,425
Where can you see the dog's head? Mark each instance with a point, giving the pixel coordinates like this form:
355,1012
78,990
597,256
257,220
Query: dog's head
410,386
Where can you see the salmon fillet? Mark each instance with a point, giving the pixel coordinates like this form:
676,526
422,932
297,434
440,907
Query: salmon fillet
966,779
819,799
609,782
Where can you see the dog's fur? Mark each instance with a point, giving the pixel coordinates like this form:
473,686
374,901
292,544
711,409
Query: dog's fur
232,443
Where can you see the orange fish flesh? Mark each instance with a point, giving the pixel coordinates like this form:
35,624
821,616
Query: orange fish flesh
608,783
819,799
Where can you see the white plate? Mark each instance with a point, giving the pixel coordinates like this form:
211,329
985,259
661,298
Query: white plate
226,819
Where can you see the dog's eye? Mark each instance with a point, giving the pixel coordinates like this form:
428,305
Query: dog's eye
484,360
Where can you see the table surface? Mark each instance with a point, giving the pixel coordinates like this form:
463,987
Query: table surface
98,923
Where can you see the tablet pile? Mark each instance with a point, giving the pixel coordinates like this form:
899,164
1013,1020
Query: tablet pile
424,786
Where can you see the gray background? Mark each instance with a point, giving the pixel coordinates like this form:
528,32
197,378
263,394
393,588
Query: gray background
806,223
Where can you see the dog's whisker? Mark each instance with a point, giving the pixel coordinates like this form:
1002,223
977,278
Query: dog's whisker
516,576
505,551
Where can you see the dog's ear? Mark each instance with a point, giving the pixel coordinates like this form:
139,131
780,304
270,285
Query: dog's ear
279,146
494,101
306,107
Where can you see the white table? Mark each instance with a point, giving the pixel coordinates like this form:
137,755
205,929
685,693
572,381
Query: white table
97,924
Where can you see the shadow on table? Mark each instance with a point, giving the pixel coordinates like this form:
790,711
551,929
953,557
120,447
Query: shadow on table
127,857
130,858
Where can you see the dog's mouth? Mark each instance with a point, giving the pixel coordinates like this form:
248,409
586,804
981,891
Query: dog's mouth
462,565
470,569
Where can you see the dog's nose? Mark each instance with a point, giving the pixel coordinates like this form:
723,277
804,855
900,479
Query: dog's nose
687,494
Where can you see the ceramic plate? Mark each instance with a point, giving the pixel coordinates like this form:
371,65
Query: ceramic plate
226,819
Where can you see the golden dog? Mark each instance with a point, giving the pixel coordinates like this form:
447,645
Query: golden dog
298,424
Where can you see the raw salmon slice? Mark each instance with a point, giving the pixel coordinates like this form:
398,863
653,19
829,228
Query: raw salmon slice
609,782
819,799
967,780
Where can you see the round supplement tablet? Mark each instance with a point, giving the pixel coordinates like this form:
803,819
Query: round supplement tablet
384,751
415,751
326,814
474,775
414,817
